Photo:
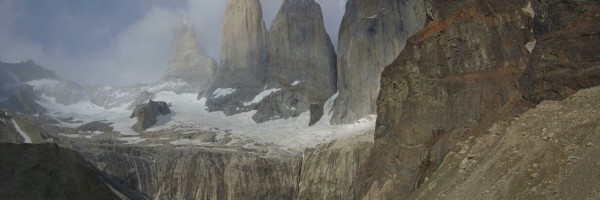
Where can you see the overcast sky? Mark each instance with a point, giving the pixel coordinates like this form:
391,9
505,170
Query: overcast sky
117,42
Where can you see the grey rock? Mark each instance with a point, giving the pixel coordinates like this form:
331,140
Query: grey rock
372,34
281,105
147,113
564,59
301,55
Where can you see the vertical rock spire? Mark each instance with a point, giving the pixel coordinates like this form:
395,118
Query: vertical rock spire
243,56
372,34
301,61
188,63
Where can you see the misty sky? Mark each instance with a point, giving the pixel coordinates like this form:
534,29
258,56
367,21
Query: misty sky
117,42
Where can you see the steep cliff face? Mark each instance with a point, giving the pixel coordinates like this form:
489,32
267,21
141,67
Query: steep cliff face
470,67
453,77
372,34
565,58
301,58
197,173
188,63
243,57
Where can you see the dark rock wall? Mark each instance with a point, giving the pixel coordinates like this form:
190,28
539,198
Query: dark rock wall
372,34
566,57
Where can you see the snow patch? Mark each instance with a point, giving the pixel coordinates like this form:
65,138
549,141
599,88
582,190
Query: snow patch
259,97
296,83
190,142
191,115
23,134
69,135
529,10
221,92
132,140
530,45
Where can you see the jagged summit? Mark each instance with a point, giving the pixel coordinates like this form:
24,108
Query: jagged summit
301,61
187,62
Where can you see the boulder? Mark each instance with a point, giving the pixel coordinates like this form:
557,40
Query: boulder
146,114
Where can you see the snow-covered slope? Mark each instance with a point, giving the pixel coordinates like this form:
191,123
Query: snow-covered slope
190,115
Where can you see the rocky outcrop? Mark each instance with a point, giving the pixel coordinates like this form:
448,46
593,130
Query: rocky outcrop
540,155
372,34
301,58
188,63
146,114
565,58
46,171
453,78
243,57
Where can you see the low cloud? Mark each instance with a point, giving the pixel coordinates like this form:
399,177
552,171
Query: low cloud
137,50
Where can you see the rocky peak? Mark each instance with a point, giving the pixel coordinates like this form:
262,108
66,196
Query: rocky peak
243,56
187,62
372,34
302,59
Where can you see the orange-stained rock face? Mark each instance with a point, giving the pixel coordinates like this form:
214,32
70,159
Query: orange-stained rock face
468,68
457,73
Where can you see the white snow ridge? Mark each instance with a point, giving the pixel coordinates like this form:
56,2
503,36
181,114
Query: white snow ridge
23,134
259,97
221,92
